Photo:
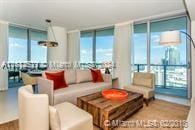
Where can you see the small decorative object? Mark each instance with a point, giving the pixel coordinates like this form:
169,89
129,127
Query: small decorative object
107,71
107,66
49,43
114,94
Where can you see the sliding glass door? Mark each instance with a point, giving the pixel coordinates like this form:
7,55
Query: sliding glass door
23,48
86,47
169,64
17,44
140,47
96,46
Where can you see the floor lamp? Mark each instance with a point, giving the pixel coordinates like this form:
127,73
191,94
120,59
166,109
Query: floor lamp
170,38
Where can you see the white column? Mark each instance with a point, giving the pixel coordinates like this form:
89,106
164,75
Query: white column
59,53
3,55
122,54
193,58
74,46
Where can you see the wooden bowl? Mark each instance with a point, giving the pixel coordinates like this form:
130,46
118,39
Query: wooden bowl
114,94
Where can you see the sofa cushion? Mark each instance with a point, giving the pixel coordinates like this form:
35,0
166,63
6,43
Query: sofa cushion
146,82
73,118
58,79
50,71
70,76
96,75
71,93
83,76
54,119
147,92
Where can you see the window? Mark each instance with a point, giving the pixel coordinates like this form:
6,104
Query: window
96,46
140,47
17,44
86,47
175,55
38,53
23,45
169,64
104,45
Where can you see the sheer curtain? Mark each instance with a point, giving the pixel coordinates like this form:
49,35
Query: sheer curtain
74,46
122,52
3,55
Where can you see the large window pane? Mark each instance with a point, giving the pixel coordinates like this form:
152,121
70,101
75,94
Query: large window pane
38,53
17,44
86,47
104,45
140,47
160,54
169,63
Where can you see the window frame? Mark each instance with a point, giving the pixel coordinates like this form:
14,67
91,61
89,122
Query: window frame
94,42
28,33
188,45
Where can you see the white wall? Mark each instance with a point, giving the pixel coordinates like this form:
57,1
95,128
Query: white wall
3,54
59,53
193,58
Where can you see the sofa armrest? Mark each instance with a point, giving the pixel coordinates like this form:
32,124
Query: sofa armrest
45,86
107,77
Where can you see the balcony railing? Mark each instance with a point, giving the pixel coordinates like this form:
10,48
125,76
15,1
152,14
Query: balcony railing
167,76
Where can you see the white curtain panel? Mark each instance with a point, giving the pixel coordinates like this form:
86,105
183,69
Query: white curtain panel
122,52
74,46
3,55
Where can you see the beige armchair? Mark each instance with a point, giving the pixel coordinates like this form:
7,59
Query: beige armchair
28,80
33,110
143,83
36,114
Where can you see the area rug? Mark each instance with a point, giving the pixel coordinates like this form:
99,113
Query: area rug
158,110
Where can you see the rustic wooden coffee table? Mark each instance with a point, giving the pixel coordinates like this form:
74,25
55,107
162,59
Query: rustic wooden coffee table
103,109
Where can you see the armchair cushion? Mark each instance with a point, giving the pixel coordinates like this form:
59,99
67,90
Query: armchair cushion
146,82
147,92
73,118
144,79
54,119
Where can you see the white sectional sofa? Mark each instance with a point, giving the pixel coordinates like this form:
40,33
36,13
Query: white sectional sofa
79,84
191,116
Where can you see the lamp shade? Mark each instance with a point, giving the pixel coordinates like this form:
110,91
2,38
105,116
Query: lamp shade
170,38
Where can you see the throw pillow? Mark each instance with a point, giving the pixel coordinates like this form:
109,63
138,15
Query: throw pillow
58,79
54,119
96,75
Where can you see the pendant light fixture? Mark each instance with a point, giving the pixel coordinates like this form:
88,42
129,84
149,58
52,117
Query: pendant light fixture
49,43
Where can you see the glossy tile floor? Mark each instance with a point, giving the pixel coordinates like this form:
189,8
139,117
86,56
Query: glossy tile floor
9,103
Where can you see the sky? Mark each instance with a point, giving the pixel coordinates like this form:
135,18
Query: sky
157,52
18,51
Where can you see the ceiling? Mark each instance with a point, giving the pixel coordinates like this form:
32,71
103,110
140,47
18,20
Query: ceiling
191,8
79,14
